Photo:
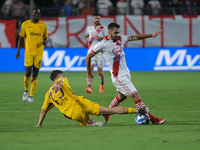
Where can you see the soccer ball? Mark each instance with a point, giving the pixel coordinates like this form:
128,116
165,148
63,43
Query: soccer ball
142,119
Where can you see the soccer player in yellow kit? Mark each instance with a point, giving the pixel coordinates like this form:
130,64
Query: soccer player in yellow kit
75,107
34,34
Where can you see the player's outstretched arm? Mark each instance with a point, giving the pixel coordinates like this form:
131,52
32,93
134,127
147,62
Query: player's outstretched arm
98,37
20,42
144,36
88,64
156,33
86,39
41,118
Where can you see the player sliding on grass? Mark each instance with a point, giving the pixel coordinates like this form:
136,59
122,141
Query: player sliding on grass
75,107
112,48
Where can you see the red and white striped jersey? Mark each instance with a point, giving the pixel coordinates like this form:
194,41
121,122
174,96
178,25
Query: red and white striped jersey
113,54
100,31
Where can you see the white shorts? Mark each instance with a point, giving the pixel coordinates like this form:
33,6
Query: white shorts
124,85
98,60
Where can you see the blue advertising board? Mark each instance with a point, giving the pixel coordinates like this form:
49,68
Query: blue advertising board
138,59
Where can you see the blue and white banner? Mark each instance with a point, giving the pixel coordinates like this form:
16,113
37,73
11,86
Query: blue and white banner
64,59
138,59
178,59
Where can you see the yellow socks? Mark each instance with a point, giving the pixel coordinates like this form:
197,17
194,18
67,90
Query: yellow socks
33,86
130,110
26,83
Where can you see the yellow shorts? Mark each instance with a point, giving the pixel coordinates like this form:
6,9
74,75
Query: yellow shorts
82,109
35,60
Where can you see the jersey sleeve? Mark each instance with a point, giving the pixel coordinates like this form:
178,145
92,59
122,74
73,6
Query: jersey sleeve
23,31
47,105
45,31
125,38
97,48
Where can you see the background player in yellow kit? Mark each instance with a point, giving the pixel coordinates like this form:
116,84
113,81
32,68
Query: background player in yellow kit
34,34
75,107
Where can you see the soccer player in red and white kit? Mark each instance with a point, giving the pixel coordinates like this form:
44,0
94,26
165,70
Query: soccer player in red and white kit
112,48
94,34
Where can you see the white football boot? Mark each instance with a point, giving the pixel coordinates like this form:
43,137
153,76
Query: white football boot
93,123
25,96
30,99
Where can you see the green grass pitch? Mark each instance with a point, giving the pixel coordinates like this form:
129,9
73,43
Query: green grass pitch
174,96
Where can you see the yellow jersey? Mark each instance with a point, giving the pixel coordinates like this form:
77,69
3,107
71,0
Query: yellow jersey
64,99
34,33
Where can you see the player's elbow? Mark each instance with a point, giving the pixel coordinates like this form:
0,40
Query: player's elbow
21,38
134,38
89,55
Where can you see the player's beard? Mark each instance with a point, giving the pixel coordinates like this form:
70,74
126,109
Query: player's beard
96,23
114,38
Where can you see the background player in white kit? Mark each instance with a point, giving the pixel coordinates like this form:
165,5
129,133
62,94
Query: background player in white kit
112,48
94,34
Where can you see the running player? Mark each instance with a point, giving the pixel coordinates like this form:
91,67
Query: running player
34,34
75,107
94,34
112,48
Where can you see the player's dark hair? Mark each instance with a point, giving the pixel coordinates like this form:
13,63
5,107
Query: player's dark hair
96,14
54,74
112,25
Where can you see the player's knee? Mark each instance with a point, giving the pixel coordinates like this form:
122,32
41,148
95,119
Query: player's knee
35,72
100,73
122,97
135,96
28,72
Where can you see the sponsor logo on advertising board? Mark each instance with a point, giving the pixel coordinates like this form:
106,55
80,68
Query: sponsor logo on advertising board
59,60
180,60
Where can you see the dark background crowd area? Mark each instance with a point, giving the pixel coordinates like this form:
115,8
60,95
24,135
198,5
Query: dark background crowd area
20,9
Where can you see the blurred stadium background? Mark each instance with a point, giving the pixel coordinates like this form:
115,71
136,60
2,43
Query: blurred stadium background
170,87
175,49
